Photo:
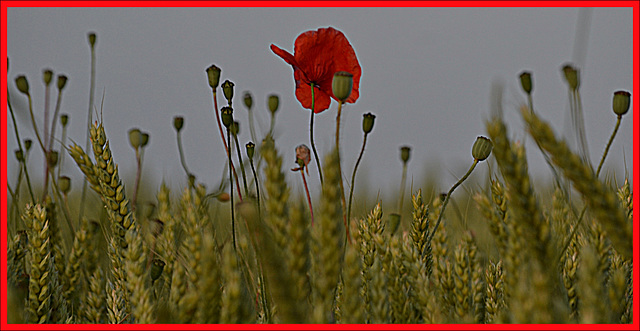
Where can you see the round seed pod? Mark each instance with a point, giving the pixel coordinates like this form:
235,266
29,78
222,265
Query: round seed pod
52,158
227,89
22,84
368,120
64,183
342,85
250,149
145,139
572,76
62,81
178,122
157,266
227,116
27,144
235,128
213,74
273,102
91,36
481,148
135,138
47,76
248,99
405,153
621,102
19,155
64,120
525,82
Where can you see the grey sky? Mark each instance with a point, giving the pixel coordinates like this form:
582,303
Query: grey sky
426,74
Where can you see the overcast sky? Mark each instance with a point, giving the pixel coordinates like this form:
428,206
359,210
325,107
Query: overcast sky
426,74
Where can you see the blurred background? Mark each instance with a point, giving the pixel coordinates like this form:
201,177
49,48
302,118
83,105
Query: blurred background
427,74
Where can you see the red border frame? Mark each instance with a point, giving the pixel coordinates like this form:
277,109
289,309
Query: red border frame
3,165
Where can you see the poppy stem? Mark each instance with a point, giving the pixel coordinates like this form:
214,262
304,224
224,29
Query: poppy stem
224,142
306,188
233,220
313,145
342,199
353,179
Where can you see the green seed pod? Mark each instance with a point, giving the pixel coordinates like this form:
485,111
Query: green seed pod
393,223
64,183
213,73
192,180
64,120
62,81
178,122
273,102
52,159
145,139
227,116
368,120
572,76
22,84
235,128
481,148
250,149
405,153
621,102
92,39
47,76
157,266
227,89
135,138
27,144
525,82
342,85
248,99
19,155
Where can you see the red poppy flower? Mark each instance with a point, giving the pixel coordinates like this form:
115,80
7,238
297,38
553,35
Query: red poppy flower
317,56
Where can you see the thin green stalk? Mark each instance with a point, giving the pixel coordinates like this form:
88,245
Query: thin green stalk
342,199
55,119
446,200
353,179
233,220
182,160
402,188
224,142
138,176
251,125
244,176
89,120
62,146
15,128
255,177
584,209
306,189
313,145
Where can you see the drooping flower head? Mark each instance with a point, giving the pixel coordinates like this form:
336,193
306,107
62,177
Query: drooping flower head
318,55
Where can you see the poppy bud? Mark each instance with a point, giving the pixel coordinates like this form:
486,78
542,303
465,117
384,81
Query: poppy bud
303,155
64,119
135,138
481,148
157,266
572,76
52,158
621,100
251,147
235,128
62,81
92,39
223,197
368,120
27,144
213,73
178,122
273,102
19,155
145,139
342,85
227,116
64,183
248,99
525,82
227,89
22,84
393,223
47,76
405,153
